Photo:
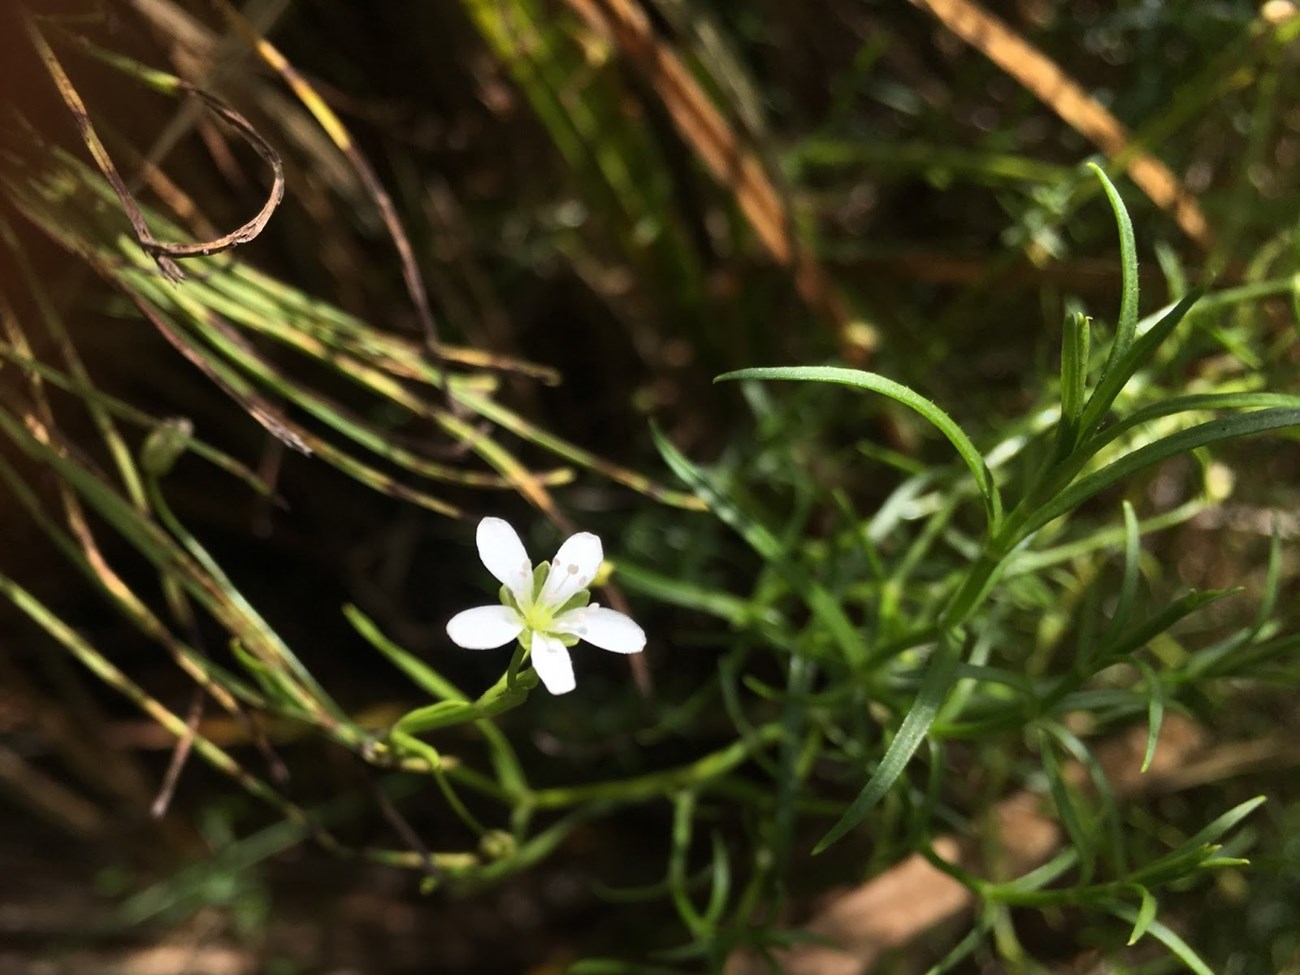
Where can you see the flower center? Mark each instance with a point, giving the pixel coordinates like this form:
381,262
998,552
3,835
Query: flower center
539,617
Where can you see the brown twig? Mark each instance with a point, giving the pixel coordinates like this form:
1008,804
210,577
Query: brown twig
181,752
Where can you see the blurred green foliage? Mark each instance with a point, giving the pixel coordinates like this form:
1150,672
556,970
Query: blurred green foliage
518,243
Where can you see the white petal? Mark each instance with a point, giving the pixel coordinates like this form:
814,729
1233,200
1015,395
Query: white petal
503,553
573,568
551,661
605,628
484,627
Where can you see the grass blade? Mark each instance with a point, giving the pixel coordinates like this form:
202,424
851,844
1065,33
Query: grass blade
907,397
938,681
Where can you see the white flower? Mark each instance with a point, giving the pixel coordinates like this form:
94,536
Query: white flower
545,608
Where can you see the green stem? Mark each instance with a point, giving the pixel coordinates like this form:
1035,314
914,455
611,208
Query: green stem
660,783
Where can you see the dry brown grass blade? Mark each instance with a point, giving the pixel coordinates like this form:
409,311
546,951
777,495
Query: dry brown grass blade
251,228
258,408
163,252
342,138
1042,77
730,161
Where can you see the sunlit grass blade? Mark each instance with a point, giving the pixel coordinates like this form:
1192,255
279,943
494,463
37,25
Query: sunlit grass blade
509,420
856,378
55,327
226,604
354,351
398,354
220,682
121,410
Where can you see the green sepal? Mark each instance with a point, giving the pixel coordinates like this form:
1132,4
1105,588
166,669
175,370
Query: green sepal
577,601
540,575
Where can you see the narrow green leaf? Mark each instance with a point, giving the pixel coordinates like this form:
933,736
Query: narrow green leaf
1268,599
1037,878
676,591
1176,945
938,681
1108,818
962,950
1128,586
1221,825
269,680
823,605
1155,709
907,397
1223,428
1219,863
1072,818
105,670
424,676
1126,327
1171,267
683,828
1145,915
1142,634
1187,404
720,886
1074,375
1118,373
